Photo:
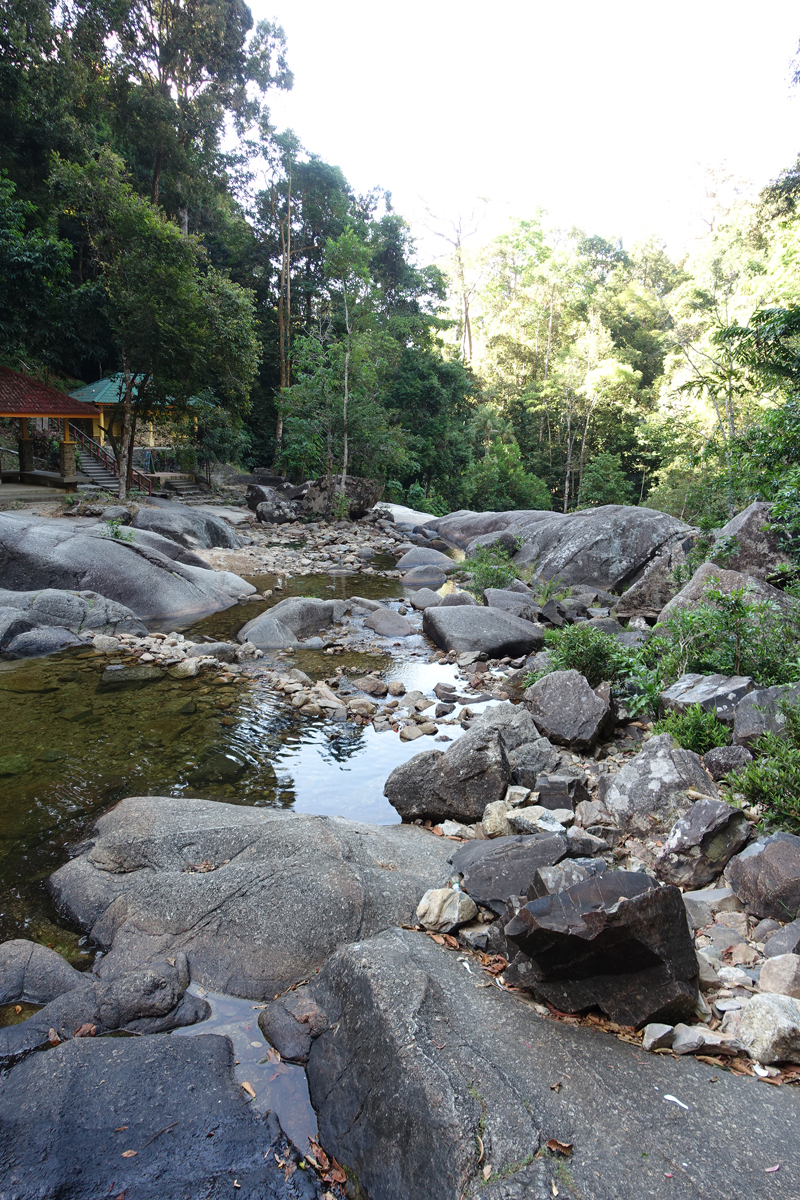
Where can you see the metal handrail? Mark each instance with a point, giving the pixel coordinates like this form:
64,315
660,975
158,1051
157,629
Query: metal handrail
97,451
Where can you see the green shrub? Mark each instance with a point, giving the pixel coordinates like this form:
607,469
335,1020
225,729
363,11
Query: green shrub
695,730
490,567
773,778
584,648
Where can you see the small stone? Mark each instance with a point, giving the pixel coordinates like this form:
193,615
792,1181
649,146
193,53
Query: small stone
583,844
718,899
770,1029
516,795
548,824
565,816
396,688
764,928
495,819
781,975
708,973
409,733
456,829
442,909
657,1036
785,941
105,644
734,977
745,956
362,707
186,669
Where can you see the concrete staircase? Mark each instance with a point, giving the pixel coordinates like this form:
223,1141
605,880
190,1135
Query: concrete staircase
97,472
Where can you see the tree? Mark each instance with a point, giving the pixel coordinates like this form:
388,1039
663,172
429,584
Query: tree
179,326
604,482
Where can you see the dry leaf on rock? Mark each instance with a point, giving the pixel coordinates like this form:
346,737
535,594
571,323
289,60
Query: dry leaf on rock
129,1153
557,1147
249,1089
86,1031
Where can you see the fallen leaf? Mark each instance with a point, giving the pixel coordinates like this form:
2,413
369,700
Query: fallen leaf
337,1174
120,1128
86,1031
437,937
273,1055
17,1008
323,1161
553,1187
556,1087
129,1153
558,1147
450,941
769,1170
487,1170
249,1089
53,1038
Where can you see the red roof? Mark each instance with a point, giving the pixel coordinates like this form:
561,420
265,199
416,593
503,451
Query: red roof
21,396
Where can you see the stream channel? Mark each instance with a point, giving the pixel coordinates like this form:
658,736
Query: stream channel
69,753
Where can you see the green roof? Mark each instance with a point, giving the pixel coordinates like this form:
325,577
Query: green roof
105,391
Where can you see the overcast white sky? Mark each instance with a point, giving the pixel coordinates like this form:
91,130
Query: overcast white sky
598,112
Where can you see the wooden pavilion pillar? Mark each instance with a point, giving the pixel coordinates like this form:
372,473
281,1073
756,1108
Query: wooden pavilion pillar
25,446
66,459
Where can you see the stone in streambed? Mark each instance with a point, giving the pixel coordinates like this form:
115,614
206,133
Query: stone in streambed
485,630
766,876
648,795
388,623
121,679
222,651
34,974
290,1023
567,710
496,870
443,909
701,843
457,784
425,598
422,556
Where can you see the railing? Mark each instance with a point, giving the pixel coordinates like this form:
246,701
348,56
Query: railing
99,452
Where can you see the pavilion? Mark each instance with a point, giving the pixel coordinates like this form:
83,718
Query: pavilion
25,398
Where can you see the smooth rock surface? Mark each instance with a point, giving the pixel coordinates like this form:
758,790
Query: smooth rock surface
781,975
486,630
190,528
388,623
719,694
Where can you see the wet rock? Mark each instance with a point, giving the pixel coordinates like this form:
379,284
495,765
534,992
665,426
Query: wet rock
38,642
421,556
186,526
219,766
33,974
222,651
267,633
305,615
423,577
186,1086
494,871
766,876
124,679
701,843
648,795
616,941
719,694
443,909
256,898
781,975
485,630
290,1023
459,783
760,712
425,598
566,710
770,1029
372,685
723,759
782,941
80,612
388,623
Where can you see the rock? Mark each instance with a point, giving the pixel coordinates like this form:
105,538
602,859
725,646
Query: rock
184,1085
290,1023
707,973
514,603
267,633
766,876
654,589
495,819
719,694
185,670
781,975
629,941
79,612
423,577
277,512
257,898
128,679
760,552
770,1029
397,687
494,871
561,791
549,881
148,575
105,644
582,844
410,733
443,909
13,622
710,576
117,513
388,623
764,930
425,598
506,541
718,900
567,710
421,556
362,495
782,941
760,712
458,600
459,783
523,820
606,547
151,999
657,1036
33,974
222,651
39,642
372,685
259,493
699,914
305,615
485,630
648,795
701,843
456,829
186,526
688,1039
724,759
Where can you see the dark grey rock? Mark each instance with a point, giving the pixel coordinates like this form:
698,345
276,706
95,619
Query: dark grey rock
561,791
567,710
655,587
222,651
760,552
514,603
782,941
184,1114
766,877
422,556
290,1023
458,600
256,898
117,513
388,623
722,759
485,630
128,679
262,493
423,577
277,512
719,694
33,974
487,540
190,528
304,615
362,495
425,598
13,622
648,795
39,642
79,612
701,843
495,870
267,633
710,576
617,941
457,784
760,712
549,881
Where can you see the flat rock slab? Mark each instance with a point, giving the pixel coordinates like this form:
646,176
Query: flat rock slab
487,630
495,870
719,694
191,527
256,898
420,1057
70,1117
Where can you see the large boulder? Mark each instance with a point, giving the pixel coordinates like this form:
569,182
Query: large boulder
710,577
187,526
656,586
760,550
305,615
617,941
494,871
719,694
701,843
486,630
151,1118
529,754
516,603
567,710
262,493
267,633
256,898
388,623
38,642
606,547
277,512
429,575
455,785
80,612
424,556
760,712
428,1079
148,575
648,795
766,877
362,495
33,974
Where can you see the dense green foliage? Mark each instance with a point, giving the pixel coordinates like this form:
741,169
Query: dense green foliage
772,780
489,567
695,729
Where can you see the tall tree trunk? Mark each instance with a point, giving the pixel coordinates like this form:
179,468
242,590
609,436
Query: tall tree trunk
129,480
157,174
549,336
569,455
127,422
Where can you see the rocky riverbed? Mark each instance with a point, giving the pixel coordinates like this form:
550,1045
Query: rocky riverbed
540,983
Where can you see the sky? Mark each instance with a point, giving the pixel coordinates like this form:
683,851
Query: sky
605,114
